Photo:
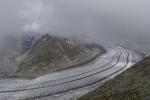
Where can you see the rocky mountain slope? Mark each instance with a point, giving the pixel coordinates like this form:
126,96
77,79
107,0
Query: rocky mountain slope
133,84
49,53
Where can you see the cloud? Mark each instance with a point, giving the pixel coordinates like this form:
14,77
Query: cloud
104,21
33,15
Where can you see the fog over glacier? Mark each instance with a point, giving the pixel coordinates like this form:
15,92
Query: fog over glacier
116,22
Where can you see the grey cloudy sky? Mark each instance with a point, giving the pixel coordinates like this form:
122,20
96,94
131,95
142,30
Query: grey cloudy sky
103,21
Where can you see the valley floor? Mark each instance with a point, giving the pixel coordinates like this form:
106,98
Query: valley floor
70,83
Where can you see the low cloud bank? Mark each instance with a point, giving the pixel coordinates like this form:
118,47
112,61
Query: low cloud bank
103,21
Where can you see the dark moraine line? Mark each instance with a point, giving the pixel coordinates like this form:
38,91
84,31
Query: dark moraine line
38,97
77,74
66,81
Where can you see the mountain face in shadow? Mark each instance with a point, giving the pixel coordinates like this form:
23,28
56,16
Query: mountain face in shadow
49,53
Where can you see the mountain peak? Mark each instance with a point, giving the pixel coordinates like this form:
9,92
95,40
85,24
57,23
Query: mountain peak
51,53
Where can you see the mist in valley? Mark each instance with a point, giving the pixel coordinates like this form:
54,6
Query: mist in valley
105,22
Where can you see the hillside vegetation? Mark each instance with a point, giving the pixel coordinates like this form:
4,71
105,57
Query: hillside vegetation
133,84
50,54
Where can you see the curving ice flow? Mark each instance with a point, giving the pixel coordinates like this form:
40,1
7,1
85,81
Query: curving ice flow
104,67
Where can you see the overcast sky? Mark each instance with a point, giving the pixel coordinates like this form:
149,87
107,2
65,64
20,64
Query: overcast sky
103,21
